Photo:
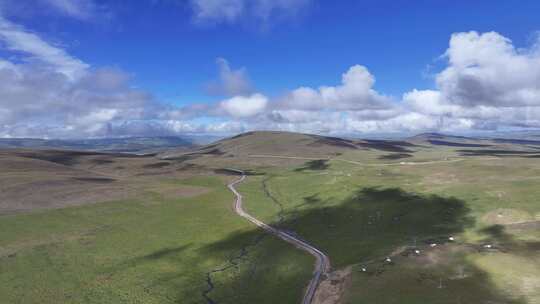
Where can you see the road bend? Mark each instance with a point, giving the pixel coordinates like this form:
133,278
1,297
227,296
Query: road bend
322,264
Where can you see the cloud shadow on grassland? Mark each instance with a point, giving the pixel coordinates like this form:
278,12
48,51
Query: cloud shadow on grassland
370,224
395,156
319,165
499,153
507,242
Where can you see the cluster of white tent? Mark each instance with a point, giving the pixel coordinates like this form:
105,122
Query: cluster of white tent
418,252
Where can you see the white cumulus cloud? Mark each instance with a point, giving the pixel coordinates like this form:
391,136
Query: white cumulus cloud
231,82
355,93
486,69
245,106
489,83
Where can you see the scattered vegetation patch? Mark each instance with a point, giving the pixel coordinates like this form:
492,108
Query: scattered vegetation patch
319,164
157,165
101,180
226,171
333,141
100,161
395,156
242,135
456,144
388,145
212,152
67,158
184,158
495,152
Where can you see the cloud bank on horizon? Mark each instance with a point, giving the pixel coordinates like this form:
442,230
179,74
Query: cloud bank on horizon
486,84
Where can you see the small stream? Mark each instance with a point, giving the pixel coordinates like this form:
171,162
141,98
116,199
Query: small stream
280,215
231,263
244,252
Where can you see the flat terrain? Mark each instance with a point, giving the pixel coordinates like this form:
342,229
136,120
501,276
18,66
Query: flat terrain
109,228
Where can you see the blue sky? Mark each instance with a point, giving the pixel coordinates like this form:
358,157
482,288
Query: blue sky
168,54
169,50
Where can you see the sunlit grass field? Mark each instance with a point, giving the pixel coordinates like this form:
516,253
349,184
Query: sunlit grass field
146,250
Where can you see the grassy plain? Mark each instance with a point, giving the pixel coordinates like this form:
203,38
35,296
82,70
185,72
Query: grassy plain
173,237
156,247
361,214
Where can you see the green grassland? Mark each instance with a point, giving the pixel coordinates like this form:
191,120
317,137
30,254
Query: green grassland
146,250
160,248
361,214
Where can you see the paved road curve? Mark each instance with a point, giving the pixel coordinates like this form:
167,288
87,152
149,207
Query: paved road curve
322,265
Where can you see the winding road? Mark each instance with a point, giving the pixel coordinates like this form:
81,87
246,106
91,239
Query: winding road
322,265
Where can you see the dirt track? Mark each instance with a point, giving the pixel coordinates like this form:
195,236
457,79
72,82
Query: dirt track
322,265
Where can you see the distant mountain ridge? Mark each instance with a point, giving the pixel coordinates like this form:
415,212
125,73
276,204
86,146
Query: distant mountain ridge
260,141
518,138
128,144
433,135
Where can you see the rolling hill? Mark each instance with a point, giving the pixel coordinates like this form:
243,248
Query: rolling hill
292,144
